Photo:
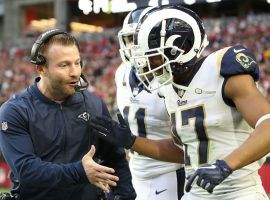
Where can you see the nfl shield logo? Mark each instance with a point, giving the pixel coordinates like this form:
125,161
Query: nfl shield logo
4,126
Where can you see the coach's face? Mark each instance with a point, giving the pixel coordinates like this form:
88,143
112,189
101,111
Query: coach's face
61,73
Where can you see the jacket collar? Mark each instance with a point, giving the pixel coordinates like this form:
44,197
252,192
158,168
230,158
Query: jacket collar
73,99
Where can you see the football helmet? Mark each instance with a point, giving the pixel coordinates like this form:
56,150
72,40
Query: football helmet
167,41
125,35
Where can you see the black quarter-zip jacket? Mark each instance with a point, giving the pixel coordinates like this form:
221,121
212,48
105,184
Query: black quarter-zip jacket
43,142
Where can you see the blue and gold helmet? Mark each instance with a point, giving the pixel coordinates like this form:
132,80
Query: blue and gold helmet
172,33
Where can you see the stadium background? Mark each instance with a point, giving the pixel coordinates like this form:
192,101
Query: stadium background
95,24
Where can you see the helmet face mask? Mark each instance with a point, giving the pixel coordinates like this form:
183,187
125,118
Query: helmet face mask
125,35
173,32
154,64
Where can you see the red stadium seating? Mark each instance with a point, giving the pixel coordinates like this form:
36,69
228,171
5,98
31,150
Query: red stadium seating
4,172
265,176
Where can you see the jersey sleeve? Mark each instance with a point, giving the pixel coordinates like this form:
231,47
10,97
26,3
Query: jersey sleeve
119,77
238,60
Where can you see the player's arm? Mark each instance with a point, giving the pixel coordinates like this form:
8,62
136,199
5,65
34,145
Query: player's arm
164,150
119,134
242,90
240,70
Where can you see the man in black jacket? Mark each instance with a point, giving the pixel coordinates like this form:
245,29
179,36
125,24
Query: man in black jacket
45,135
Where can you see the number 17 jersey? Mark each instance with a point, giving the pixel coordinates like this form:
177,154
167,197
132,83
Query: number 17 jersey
208,123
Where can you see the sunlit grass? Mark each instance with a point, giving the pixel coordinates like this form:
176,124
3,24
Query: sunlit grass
4,190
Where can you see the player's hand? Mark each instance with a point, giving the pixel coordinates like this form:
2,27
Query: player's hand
113,132
209,176
98,175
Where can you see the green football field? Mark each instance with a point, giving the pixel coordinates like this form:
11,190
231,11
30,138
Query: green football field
4,190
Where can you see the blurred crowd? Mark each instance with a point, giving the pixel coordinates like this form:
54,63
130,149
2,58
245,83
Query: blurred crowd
253,32
101,56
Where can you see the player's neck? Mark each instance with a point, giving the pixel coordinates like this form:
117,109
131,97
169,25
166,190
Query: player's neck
183,77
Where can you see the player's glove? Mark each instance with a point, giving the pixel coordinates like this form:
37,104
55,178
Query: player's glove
113,132
210,176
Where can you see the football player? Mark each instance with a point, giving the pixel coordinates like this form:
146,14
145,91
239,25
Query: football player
214,104
146,115
211,102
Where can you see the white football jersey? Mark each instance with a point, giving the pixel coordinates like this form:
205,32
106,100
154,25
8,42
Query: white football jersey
147,117
208,127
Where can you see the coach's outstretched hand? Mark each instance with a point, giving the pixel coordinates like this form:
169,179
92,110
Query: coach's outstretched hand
99,175
210,176
113,132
